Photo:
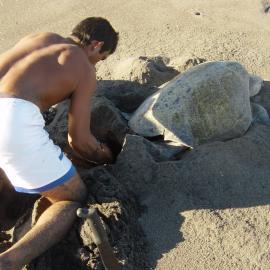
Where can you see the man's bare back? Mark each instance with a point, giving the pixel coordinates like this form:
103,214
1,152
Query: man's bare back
43,68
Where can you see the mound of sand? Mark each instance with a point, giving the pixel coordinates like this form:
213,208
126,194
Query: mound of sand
207,210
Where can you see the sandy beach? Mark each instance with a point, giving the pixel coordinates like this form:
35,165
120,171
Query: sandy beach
175,30
219,30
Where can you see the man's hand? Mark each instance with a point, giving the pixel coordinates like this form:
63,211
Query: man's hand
104,154
101,155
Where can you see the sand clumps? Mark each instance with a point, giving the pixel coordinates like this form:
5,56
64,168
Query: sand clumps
159,202
144,70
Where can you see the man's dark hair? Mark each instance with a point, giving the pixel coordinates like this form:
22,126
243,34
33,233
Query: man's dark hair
96,28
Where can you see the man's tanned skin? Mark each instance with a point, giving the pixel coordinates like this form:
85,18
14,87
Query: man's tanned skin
45,69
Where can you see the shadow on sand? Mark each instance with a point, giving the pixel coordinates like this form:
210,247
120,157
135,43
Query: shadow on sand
214,176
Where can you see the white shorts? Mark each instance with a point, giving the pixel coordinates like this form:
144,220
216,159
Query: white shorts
30,159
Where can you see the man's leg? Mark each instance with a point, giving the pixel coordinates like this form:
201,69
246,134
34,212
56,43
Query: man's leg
50,228
7,195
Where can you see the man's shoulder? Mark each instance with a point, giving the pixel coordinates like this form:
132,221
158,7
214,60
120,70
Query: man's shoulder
76,61
76,56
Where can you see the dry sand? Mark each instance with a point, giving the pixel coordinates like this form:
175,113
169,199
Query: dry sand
225,29
211,29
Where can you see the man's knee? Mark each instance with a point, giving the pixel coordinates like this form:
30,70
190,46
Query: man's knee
73,190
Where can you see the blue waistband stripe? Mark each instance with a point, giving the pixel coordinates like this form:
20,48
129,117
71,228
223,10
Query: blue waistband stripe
71,172
61,156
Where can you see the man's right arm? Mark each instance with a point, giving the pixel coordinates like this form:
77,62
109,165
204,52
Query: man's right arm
82,142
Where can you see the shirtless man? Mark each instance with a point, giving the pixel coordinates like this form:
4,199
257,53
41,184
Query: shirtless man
38,72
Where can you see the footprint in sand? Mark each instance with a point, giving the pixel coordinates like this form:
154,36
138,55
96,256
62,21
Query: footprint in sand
266,6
